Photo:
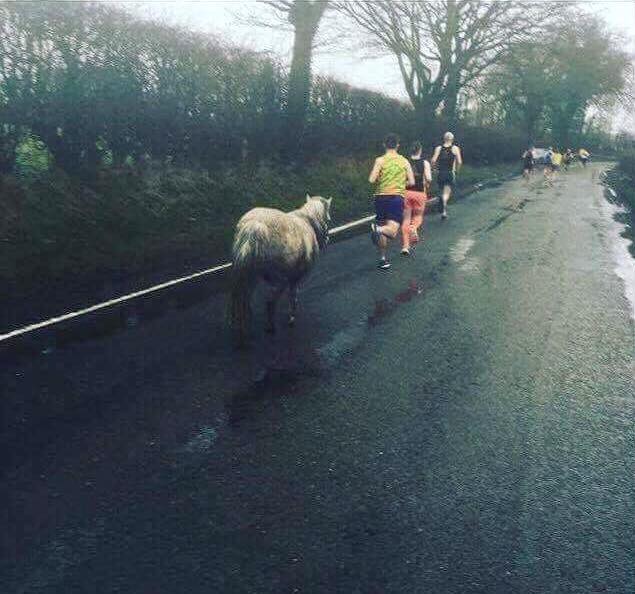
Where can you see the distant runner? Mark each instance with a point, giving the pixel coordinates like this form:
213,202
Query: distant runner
391,172
415,198
549,164
528,161
556,160
567,159
584,156
447,158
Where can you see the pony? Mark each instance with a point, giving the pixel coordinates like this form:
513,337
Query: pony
280,248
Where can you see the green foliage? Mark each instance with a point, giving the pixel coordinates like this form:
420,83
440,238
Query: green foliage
31,157
130,92
589,67
627,164
550,82
127,223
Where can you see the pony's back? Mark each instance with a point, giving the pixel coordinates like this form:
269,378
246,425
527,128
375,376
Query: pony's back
251,241
274,243
277,246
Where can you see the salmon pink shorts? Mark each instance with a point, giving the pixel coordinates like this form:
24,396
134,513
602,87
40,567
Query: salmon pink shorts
415,200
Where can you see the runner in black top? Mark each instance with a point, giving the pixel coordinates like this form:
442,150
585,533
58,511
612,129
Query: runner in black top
447,158
528,162
418,165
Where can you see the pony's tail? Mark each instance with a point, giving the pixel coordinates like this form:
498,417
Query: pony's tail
246,256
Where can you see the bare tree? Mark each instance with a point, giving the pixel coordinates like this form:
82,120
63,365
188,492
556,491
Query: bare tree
442,46
304,17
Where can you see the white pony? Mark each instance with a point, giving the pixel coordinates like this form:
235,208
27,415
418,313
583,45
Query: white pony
279,247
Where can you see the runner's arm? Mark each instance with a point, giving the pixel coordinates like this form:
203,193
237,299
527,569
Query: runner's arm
435,156
427,172
459,158
410,174
374,174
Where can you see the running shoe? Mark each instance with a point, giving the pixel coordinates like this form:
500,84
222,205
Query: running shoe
405,252
374,233
383,264
444,215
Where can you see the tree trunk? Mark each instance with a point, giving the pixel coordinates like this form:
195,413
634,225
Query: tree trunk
532,115
299,85
305,17
450,103
8,146
425,119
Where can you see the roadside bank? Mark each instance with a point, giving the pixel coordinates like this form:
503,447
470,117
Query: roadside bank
621,180
67,245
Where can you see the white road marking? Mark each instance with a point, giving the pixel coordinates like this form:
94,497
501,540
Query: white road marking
124,298
110,303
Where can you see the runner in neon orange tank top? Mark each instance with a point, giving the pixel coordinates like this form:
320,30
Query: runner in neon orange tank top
415,198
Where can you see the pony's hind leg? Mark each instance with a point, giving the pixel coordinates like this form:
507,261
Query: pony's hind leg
272,304
293,303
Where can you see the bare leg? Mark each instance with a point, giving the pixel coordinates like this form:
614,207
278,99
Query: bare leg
447,191
417,220
387,230
293,303
405,228
382,245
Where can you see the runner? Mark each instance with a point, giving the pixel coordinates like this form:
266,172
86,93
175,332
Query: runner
548,171
567,159
415,198
528,162
391,172
556,160
447,158
584,156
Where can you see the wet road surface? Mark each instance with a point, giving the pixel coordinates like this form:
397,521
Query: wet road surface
462,423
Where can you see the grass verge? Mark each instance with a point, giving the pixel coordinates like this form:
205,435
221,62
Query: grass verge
128,229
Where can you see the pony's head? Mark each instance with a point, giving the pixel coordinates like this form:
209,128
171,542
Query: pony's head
320,211
324,204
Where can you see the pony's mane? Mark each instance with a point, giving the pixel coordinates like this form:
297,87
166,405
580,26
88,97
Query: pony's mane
314,212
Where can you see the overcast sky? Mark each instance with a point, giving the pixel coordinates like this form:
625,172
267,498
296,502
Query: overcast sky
339,58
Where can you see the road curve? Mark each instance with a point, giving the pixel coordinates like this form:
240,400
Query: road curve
462,423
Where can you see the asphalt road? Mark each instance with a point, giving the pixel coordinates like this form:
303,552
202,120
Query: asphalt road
462,423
